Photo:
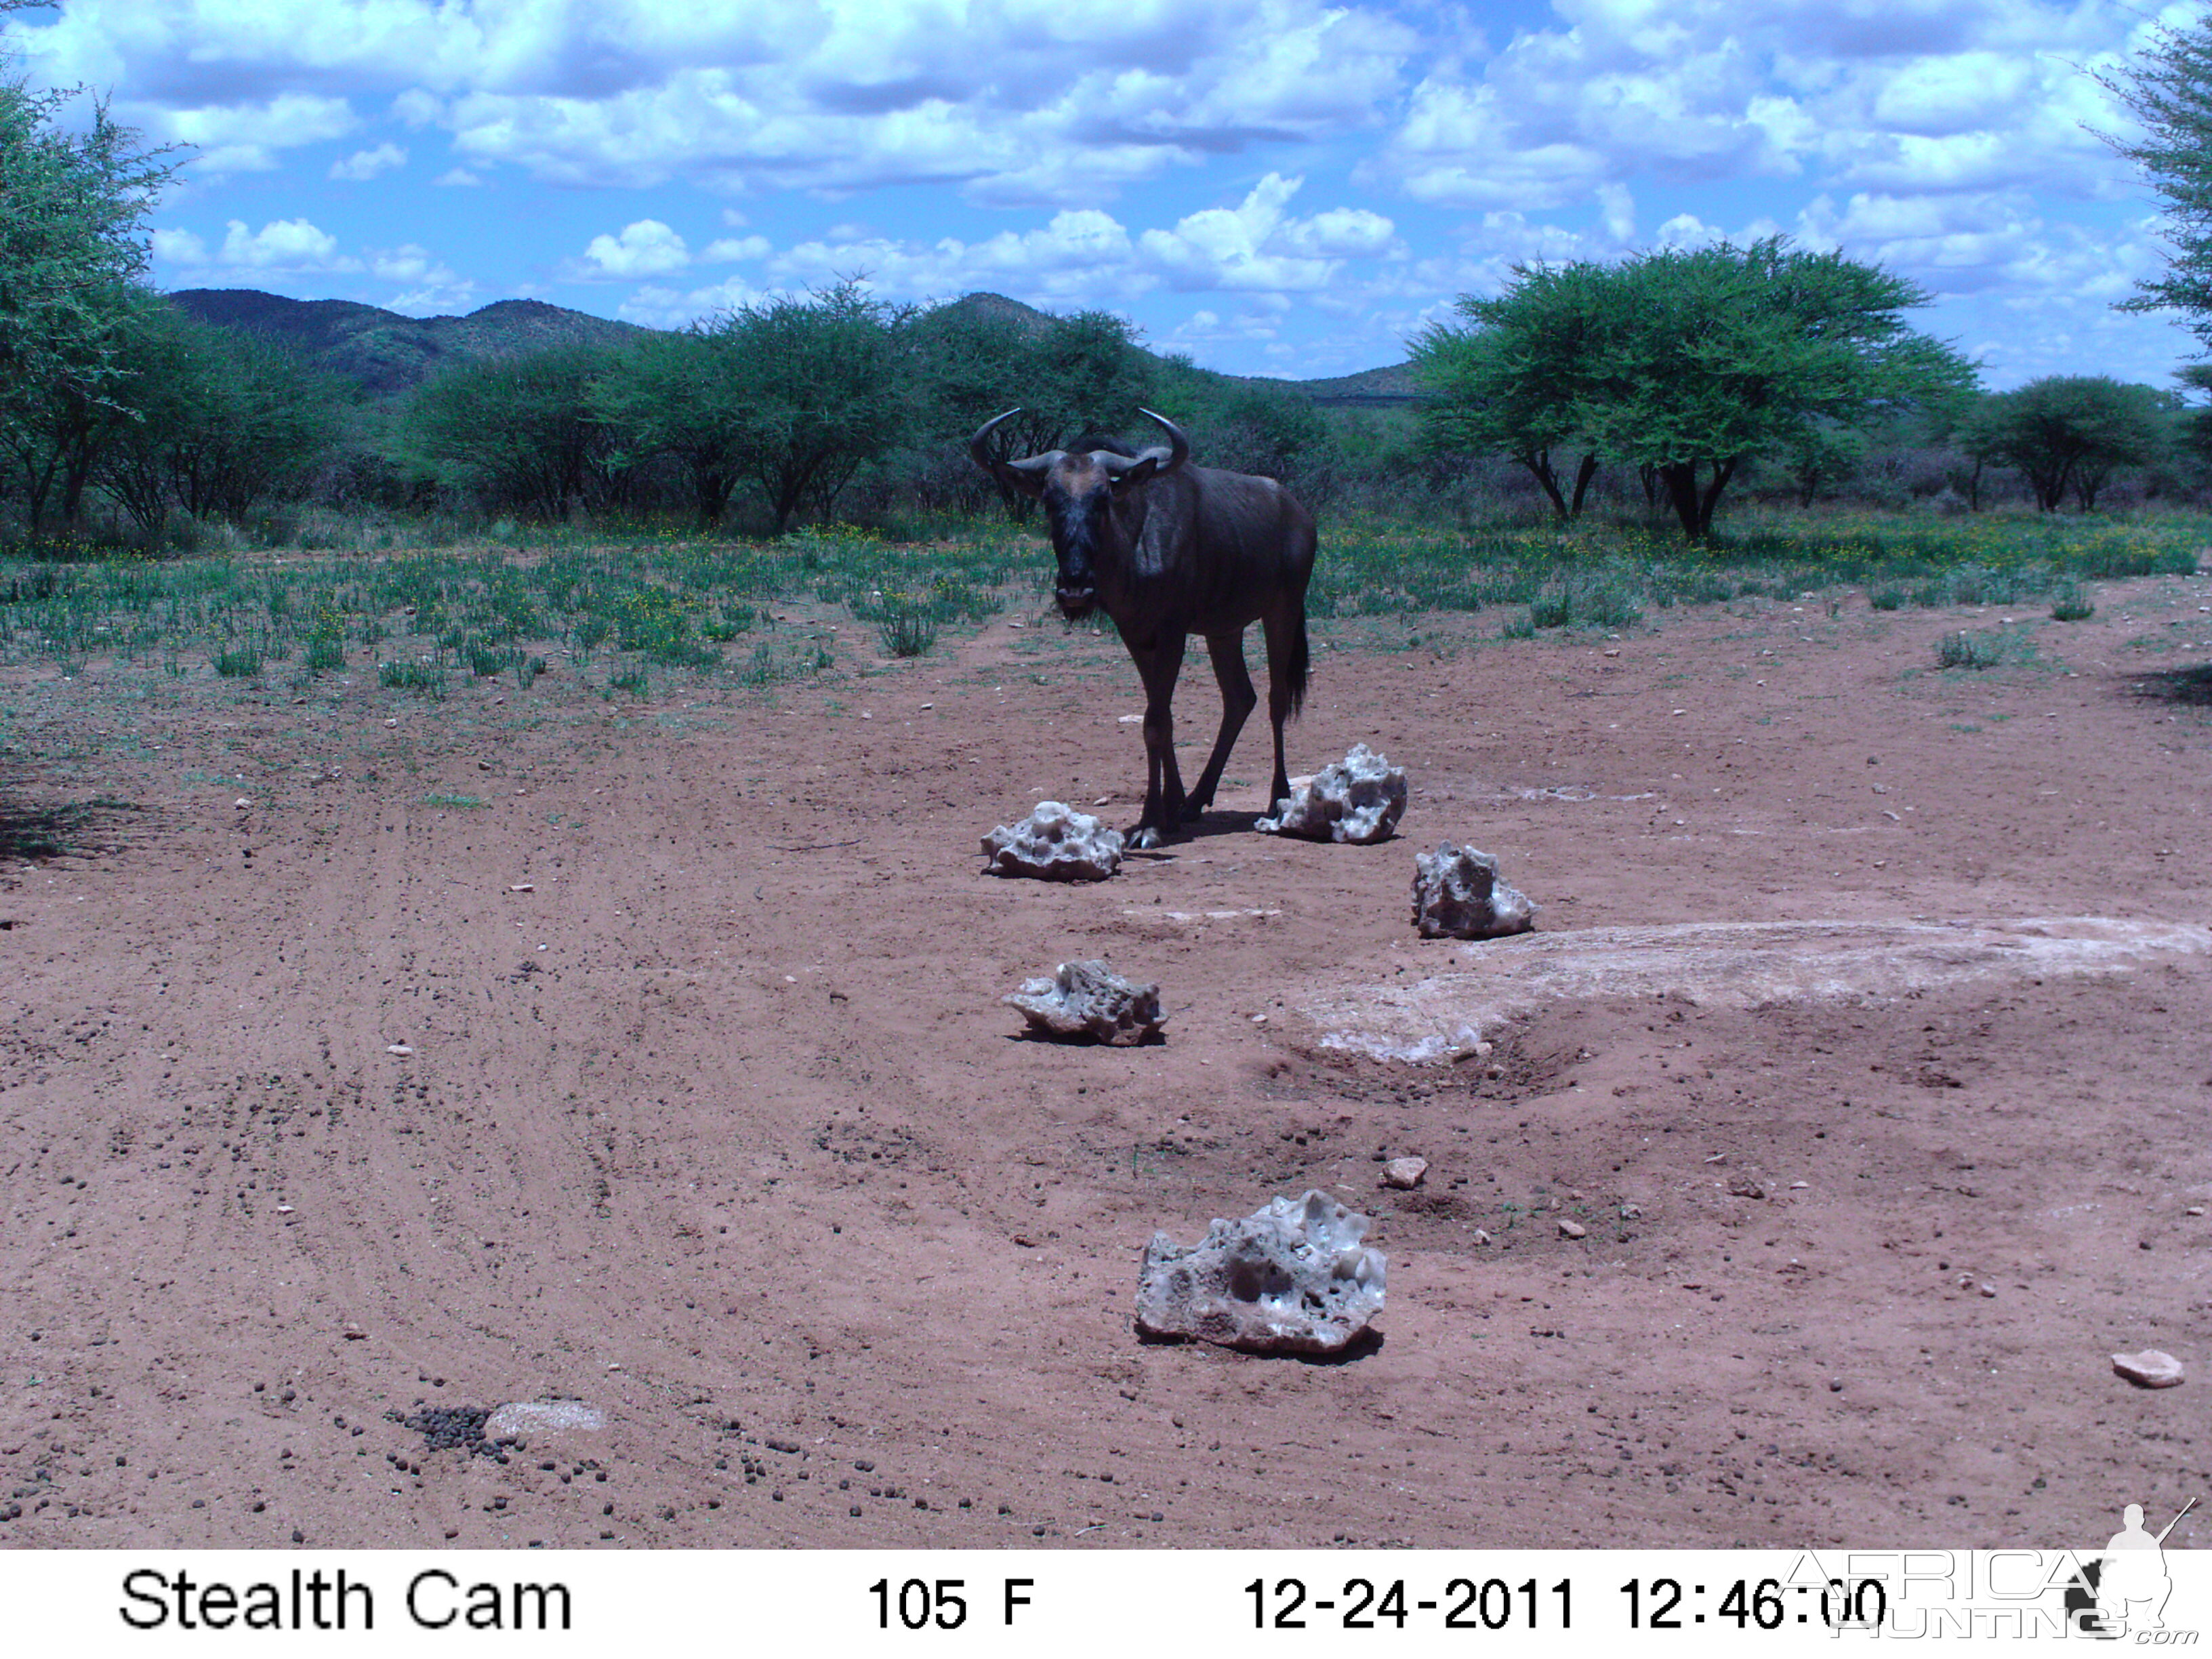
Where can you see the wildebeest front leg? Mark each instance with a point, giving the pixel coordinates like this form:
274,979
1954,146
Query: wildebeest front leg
1157,665
1238,699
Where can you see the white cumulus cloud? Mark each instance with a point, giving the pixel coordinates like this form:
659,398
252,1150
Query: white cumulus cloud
1010,100
366,164
1257,244
246,137
646,248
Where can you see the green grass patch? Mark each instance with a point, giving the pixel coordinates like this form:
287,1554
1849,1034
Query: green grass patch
458,802
1965,650
2072,604
412,677
656,598
907,633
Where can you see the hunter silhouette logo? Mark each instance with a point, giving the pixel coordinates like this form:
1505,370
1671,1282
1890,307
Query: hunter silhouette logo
2122,1591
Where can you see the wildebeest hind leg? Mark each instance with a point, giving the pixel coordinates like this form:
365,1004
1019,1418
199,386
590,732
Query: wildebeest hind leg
1286,651
1238,699
1157,665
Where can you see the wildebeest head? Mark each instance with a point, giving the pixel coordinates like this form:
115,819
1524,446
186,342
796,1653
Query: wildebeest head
1080,490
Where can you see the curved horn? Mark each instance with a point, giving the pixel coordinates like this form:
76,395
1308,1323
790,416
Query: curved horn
981,456
1180,445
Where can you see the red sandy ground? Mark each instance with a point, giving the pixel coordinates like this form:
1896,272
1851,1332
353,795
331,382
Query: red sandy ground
720,1125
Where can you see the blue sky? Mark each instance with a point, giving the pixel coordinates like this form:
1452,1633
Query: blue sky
1275,186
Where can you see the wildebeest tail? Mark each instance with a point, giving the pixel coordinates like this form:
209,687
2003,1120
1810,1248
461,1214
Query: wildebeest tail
1299,665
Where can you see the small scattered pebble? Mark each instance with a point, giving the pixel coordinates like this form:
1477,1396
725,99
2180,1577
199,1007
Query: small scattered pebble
1403,1173
1572,1229
398,1049
2150,1369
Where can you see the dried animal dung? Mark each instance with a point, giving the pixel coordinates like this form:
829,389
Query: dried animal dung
1457,894
1055,842
1292,1278
1089,999
1359,798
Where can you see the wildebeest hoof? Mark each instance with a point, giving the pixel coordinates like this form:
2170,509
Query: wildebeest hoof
1145,837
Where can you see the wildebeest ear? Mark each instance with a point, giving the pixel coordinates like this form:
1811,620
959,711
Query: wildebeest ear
1028,476
1135,472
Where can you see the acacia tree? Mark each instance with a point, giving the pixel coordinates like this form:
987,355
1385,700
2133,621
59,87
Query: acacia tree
813,388
1708,357
2068,432
1685,363
671,395
72,258
1507,382
1069,376
2169,90
522,429
217,423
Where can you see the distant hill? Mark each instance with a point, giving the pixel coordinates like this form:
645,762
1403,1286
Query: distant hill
386,353
1371,388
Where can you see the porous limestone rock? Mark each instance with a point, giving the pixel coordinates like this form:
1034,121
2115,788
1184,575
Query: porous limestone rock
1457,894
1055,842
1292,1278
1089,999
1359,798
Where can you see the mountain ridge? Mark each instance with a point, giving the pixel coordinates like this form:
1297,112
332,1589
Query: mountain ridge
387,353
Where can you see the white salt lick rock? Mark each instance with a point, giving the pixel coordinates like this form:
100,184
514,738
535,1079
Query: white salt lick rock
1090,999
1292,1278
1359,798
1457,894
1055,842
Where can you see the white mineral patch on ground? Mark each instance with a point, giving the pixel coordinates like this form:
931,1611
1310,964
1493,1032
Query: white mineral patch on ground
525,1419
1727,964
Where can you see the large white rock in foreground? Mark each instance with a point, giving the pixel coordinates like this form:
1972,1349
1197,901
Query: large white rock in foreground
1292,1278
1359,798
1089,999
1055,842
1457,894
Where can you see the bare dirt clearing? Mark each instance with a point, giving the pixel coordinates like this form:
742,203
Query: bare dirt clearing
672,1078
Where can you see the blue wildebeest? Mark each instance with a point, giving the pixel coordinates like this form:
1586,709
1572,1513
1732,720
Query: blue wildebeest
1167,549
